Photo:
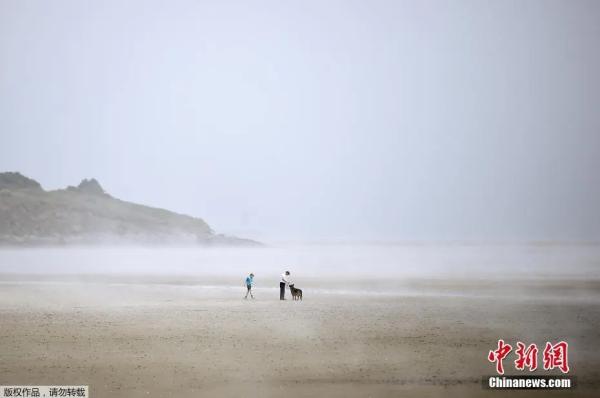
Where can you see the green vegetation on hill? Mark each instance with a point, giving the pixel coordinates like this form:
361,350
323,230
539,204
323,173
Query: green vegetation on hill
86,214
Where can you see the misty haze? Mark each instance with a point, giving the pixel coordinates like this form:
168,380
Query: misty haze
425,172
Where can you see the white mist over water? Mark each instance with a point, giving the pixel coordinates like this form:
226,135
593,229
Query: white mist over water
368,261
125,275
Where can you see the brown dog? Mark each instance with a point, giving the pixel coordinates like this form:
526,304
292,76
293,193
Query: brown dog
296,293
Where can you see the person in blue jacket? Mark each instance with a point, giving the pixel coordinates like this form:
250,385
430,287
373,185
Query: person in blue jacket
249,283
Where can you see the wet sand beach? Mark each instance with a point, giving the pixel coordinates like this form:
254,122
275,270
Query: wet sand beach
151,336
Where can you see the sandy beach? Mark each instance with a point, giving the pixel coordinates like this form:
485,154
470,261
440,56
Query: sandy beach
142,336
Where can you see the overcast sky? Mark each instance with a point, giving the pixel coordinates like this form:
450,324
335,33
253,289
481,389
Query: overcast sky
315,119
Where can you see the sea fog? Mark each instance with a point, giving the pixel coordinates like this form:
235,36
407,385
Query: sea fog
433,269
315,260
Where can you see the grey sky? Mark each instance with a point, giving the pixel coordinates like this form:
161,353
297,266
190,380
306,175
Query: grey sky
315,119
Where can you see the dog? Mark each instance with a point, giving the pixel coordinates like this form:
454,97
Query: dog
296,293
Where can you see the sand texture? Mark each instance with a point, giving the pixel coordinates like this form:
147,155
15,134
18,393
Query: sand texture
157,338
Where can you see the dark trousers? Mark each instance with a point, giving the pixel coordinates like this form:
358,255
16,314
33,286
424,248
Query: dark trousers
281,291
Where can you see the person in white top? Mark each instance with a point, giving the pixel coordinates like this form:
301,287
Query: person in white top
285,280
